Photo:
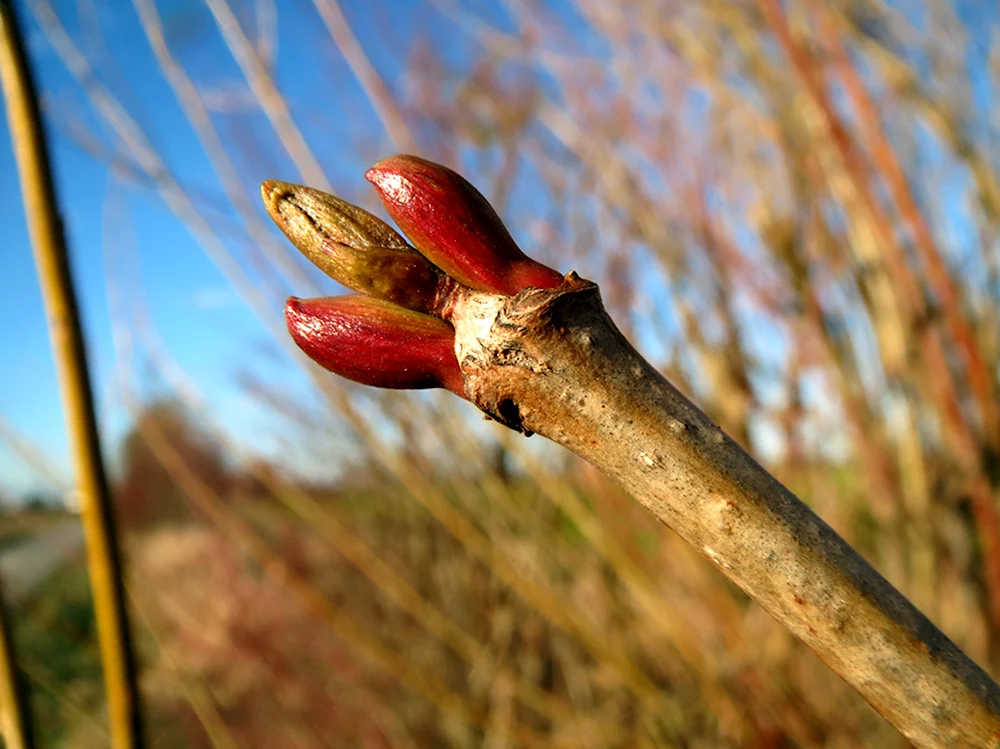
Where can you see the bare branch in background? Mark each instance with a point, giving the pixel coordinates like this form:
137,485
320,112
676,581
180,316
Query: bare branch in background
778,276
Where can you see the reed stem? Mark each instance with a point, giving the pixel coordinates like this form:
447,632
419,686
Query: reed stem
65,333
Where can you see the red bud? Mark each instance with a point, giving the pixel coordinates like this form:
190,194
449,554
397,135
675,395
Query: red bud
455,227
376,343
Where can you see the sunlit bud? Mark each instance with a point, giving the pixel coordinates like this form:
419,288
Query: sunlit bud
353,247
450,222
376,343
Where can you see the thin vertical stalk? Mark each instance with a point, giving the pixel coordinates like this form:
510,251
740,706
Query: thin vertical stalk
270,97
941,377
198,696
45,226
15,720
366,74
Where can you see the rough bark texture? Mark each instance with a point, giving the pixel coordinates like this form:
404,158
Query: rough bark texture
553,362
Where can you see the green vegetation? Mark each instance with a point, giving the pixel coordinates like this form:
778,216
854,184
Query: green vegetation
19,526
57,647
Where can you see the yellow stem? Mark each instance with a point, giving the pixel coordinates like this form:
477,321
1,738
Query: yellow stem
45,226
15,721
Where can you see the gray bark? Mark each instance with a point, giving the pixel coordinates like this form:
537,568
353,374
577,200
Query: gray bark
552,362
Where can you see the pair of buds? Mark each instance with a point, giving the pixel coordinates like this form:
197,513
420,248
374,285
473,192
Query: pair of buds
394,333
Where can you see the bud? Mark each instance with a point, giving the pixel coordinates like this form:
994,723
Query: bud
376,343
455,227
352,246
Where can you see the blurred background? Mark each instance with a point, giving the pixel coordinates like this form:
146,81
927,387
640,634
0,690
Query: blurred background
792,210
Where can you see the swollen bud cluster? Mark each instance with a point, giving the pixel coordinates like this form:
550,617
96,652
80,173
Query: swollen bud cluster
391,334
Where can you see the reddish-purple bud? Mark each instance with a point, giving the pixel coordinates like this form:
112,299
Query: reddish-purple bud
455,227
376,343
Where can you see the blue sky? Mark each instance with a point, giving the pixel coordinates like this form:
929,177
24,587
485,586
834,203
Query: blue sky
208,330
201,319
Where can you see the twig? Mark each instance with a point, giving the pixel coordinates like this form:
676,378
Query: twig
944,384
104,559
266,91
15,720
196,693
553,362
197,114
67,704
369,79
31,456
540,354
361,641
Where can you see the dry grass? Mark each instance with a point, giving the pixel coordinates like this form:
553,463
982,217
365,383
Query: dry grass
794,214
